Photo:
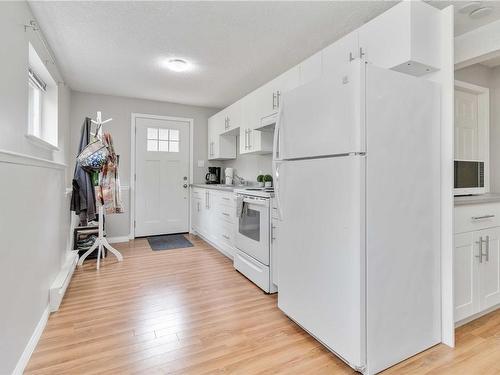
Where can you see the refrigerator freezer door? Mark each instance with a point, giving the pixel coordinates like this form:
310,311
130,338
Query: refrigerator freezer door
320,251
402,216
324,117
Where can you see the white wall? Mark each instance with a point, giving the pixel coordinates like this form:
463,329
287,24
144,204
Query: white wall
34,210
488,77
248,166
121,109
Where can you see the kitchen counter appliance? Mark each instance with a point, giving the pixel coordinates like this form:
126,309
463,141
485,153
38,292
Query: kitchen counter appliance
213,175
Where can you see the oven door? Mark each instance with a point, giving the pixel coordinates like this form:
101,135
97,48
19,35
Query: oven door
252,236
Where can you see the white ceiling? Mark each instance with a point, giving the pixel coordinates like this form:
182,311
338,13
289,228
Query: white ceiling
115,47
463,23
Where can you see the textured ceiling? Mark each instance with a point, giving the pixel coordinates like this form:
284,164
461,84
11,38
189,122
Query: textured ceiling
115,47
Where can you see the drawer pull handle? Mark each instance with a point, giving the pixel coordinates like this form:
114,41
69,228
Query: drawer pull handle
225,214
226,237
483,217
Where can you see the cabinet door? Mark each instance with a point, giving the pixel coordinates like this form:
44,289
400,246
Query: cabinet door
233,116
466,126
337,57
213,136
489,268
311,68
466,275
196,207
284,83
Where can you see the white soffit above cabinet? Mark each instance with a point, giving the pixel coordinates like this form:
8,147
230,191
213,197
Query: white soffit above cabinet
116,47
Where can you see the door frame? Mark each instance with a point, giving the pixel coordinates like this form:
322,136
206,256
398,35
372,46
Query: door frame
483,120
133,129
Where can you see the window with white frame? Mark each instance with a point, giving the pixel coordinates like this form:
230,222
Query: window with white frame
42,103
163,140
37,87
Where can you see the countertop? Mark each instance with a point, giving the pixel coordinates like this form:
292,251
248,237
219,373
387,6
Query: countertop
477,199
218,187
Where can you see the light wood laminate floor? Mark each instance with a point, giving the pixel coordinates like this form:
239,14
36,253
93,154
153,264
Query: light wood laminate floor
189,312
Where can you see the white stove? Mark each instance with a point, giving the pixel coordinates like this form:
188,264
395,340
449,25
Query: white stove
253,240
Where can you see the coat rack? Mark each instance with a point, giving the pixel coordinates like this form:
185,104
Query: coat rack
101,242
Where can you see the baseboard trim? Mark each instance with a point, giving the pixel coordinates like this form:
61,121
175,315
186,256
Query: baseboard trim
476,316
217,247
30,347
60,284
118,239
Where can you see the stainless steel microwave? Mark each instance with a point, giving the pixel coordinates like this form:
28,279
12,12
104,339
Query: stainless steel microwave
469,177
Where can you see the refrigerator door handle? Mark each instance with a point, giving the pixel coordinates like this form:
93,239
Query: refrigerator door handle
276,138
276,171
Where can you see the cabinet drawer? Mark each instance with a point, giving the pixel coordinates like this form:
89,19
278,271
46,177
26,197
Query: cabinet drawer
227,199
254,270
226,233
476,217
227,214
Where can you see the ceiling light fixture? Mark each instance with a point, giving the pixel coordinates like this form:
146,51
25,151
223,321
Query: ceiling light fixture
177,65
481,12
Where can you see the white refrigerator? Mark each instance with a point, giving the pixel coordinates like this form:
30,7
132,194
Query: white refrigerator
357,182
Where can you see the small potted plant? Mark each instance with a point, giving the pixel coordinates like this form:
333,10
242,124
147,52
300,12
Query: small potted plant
260,180
268,181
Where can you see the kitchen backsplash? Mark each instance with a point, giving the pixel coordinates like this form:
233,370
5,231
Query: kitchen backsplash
248,165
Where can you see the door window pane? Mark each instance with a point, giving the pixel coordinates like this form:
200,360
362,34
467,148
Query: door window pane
174,135
163,134
163,146
152,133
173,146
152,145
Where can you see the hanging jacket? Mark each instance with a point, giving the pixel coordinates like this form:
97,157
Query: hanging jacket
83,196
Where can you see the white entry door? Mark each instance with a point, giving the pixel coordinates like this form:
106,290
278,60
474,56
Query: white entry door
162,176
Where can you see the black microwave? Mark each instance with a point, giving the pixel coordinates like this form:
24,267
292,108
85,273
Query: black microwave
468,177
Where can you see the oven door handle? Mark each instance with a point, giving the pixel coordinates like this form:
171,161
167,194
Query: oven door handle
256,202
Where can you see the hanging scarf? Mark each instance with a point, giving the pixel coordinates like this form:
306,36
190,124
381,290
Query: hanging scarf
109,191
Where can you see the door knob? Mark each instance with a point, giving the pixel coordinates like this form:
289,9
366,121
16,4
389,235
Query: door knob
185,186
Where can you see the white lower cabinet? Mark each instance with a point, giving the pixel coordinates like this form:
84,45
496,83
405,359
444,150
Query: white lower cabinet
476,260
213,216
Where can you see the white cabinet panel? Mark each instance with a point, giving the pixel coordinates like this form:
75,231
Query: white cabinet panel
337,57
214,218
220,147
311,68
404,38
466,276
476,259
489,274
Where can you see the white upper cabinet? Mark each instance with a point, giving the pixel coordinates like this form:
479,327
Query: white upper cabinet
404,38
311,68
251,140
232,118
267,98
337,57
220,147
